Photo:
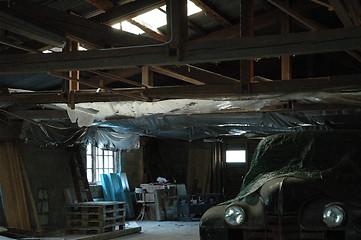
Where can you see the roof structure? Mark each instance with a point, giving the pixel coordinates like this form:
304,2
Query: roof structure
281,56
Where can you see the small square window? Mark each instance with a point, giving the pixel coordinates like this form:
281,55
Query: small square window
235,156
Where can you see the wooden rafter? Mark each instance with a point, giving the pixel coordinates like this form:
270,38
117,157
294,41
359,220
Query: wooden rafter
127,11
212,13
322,3
80,29
18,46
104,5
192,52
313,26
175,75
117,78
154,34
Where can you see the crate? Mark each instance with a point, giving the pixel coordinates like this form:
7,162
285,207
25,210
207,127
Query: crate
95,217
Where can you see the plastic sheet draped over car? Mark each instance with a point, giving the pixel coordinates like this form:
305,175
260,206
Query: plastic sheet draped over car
329,158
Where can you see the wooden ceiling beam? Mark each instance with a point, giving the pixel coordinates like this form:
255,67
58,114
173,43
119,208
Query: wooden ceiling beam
18,46
127,11
345,83
313,26
212,13
343,13
21,25
117,78
79,29
193,52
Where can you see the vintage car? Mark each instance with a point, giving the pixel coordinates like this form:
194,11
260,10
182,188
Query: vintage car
304,185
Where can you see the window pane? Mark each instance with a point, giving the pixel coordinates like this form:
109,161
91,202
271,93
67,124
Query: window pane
236,156
89,162
106,161
89,149
89,174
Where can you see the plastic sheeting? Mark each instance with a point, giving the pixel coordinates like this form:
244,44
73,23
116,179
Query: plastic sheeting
62,134
329,158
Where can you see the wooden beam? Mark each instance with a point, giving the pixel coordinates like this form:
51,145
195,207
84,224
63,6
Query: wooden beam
322,3
342,13
294,14
127,11
150,32
286,61
260,22
175,75
193,52
331,84
80,29
104,5
212,13
123,73
39,114
313,26
246,30
19,24
147,76
18,46
201,75
118,78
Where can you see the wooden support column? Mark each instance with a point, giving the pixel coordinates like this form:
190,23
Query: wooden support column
72,86
177,27
286,61
147,76
247,65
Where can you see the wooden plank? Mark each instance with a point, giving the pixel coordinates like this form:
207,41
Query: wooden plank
13,190
127,11
193,52
80,29
212,13
118,78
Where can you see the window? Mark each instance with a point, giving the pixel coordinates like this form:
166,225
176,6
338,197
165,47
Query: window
236,156
100,161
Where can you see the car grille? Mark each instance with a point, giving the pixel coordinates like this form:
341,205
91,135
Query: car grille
282,228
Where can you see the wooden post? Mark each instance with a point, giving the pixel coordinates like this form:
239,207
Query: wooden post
72,86
147,76
286,62
247,66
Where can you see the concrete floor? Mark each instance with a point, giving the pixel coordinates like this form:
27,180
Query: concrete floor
165,231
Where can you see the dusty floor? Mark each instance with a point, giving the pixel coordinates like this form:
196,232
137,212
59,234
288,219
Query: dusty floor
165,231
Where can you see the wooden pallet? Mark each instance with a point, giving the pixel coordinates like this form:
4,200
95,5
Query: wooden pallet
95,217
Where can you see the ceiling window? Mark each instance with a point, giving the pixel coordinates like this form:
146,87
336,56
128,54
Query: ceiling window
236,156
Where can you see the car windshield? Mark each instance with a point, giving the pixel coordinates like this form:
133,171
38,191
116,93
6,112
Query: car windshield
330,158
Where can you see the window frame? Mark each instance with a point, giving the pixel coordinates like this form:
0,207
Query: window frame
99,154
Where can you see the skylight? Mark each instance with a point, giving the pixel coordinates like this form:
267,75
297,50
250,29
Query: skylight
153,19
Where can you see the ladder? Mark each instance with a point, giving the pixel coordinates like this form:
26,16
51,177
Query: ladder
80,181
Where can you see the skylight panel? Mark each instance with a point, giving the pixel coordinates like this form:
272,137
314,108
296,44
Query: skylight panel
153,19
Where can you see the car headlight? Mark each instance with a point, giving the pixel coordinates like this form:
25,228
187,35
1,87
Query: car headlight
234,215
333,215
